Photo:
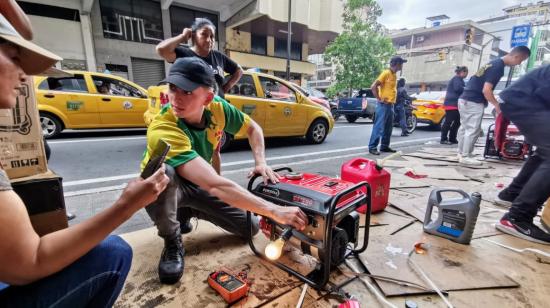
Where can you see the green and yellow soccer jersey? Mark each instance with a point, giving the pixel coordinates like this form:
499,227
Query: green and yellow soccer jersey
188,142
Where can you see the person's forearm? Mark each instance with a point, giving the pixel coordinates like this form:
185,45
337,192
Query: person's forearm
233,80
375,93
490,97
59,249
217,162
170,44
236,196
256,140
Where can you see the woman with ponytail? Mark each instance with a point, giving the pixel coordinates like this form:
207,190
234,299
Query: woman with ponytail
451,123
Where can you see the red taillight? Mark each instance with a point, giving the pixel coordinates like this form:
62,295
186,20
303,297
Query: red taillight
364,103
432,106
163,99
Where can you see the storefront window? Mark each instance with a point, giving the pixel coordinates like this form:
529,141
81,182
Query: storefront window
281,49
181,18
259,44
132,20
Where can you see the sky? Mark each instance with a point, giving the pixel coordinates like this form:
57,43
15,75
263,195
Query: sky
398,14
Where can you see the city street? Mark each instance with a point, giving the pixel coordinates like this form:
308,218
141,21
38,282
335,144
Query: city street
96,165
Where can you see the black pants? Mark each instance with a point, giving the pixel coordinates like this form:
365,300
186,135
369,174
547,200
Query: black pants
532,182
450,126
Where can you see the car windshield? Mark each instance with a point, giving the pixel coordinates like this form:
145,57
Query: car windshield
316,93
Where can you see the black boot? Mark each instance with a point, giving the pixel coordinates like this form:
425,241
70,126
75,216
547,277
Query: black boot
184,217
171,261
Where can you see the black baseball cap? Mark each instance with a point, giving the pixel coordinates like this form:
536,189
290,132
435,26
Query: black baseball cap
397,60
190,73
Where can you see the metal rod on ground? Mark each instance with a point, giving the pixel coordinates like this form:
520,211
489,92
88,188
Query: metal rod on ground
369,285
419,270
302,296
537,252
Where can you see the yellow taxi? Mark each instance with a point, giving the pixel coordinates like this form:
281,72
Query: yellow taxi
272,102
429,108
87,100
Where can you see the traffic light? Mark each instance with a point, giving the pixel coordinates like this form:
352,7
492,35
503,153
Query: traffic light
441,55
469,36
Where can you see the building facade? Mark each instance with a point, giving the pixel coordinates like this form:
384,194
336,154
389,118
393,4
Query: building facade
537,15
120,36
433,52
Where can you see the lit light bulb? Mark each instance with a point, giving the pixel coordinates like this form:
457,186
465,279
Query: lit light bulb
273,250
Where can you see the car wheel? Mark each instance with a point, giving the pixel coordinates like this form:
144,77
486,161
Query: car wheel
225,141
317,132
351,118
51,125
412,121
335,114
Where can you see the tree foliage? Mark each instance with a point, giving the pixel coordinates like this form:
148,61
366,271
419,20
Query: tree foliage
361,51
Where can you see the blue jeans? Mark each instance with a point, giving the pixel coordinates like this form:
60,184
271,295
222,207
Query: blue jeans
383,126
94,280
399,110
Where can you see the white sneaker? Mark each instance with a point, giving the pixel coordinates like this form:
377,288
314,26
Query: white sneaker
469,161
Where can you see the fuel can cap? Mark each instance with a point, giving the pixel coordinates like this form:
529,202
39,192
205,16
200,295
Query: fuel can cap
294,176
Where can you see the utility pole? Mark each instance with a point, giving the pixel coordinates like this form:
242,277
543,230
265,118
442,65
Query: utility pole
481,52
288,41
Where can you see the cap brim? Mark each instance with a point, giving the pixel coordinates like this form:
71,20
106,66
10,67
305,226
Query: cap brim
34,59
181,82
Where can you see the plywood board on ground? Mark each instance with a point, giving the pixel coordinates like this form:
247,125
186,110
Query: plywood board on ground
450,265
441,172
207,249
399,180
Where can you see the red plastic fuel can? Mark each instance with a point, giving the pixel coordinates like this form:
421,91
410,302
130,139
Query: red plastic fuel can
362,169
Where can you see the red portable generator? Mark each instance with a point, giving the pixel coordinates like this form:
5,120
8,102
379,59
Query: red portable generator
331,207
512,145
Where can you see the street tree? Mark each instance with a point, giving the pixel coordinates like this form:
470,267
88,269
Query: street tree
362,50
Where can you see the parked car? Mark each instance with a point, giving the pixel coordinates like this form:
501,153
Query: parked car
333,105
429,108
362,105
89,100
314,98
273,103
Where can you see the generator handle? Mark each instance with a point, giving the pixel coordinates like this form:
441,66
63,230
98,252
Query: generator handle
255,176
335,201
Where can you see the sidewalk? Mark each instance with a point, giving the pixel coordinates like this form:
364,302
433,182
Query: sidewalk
482,274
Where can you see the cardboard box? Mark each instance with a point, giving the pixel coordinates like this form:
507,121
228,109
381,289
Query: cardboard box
44,200
21,143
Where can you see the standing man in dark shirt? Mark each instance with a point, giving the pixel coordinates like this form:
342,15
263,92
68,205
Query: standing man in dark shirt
402,99
451,123
473,101
202,35
527,104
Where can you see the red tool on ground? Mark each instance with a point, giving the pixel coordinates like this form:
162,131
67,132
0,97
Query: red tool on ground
231,287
